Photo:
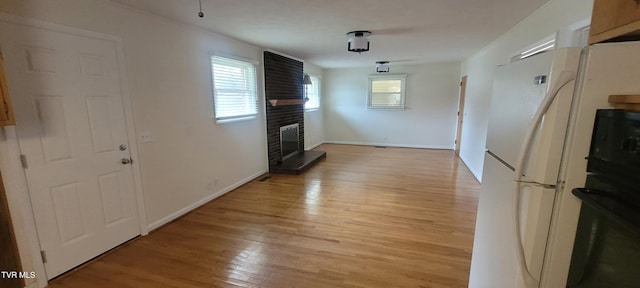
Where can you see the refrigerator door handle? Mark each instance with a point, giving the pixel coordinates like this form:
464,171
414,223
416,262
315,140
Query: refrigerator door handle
564,79
536,184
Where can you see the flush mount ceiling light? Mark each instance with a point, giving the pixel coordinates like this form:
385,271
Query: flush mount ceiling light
382,67
358,41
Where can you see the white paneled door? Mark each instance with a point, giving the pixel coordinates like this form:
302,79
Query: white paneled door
71,128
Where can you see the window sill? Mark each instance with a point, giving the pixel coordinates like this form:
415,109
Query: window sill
236,119
312,110
386,108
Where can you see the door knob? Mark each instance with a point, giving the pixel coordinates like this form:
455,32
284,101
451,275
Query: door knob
126,161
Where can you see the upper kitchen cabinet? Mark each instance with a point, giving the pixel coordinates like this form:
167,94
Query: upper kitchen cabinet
615,20
6,110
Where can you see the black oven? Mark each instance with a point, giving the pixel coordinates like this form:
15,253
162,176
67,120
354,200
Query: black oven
606,250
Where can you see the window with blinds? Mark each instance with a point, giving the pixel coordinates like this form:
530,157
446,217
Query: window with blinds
386,92
313,93
234,89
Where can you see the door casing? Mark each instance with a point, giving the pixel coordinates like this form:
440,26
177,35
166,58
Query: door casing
463,91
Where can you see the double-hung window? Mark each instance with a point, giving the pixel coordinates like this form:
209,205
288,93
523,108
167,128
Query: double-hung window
234,89
313,93
386,92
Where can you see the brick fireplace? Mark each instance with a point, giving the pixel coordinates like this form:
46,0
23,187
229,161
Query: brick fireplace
285,106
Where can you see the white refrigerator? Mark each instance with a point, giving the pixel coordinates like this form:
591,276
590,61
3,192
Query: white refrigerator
540,125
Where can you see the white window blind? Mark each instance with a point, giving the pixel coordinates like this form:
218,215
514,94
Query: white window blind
313,93
234,89
386,92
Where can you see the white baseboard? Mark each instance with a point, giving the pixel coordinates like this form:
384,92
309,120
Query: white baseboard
474,173
185,210
390,145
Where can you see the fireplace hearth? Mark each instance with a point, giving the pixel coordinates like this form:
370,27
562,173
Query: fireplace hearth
299,162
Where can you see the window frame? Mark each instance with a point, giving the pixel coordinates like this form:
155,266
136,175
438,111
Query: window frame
403,88
318,92
252,64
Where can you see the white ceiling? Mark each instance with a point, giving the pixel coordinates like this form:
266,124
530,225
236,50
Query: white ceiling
404,31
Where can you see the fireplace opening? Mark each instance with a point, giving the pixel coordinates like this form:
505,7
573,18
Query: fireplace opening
289,141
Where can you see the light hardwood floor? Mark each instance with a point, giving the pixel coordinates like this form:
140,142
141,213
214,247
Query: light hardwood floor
363,217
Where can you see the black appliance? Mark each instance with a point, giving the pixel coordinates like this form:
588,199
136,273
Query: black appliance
606,250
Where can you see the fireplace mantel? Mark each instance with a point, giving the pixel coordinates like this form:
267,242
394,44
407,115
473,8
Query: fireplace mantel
286,102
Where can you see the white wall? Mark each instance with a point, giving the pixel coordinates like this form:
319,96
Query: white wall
428,122
313,119
556,16
190,158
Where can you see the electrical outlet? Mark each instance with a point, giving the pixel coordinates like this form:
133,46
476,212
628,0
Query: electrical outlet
145,137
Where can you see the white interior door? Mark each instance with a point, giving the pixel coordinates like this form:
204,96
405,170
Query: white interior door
71,128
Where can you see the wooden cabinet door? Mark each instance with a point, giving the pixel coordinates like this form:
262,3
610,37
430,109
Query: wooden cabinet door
613,18
6,109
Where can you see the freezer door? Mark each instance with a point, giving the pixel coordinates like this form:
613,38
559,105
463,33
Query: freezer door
545,153
514,102
516,99
494,262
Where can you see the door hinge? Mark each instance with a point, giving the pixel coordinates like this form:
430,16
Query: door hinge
460,83
455,141
44,256
23,160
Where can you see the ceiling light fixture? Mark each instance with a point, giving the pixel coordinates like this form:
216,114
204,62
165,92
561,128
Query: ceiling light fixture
382,67
358,41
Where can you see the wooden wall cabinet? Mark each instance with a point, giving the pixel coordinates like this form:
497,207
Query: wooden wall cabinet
615,19
6,109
